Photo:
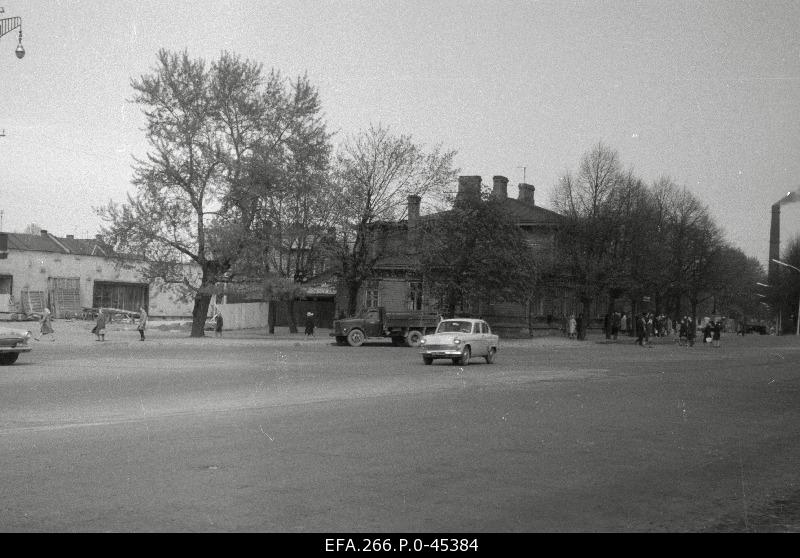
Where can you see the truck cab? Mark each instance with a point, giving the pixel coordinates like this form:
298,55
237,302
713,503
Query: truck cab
373,322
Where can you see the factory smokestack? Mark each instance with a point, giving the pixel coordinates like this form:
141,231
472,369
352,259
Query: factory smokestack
774,243
775,233
775,236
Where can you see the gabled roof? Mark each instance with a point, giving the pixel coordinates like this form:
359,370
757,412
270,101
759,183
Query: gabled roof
50,243
527,214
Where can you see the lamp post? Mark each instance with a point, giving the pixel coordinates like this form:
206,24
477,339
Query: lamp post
797,316
8,24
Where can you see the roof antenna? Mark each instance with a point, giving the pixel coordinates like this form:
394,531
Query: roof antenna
523,174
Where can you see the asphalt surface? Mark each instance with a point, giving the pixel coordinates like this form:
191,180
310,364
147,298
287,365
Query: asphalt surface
285,434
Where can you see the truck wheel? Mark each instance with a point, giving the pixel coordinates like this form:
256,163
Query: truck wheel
427,360
8,358
490,355
341,340
355,338
413,338
463,360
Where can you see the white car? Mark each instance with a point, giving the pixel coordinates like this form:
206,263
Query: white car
12,343
460,339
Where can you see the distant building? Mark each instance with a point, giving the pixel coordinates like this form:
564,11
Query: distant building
396,285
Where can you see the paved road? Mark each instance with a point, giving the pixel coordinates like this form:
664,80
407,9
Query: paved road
247,433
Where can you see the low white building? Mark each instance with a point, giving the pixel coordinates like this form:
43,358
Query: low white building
70,274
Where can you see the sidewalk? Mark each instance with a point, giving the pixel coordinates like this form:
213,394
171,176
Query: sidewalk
78,332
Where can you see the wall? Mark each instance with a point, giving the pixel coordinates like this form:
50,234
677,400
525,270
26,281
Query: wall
244,315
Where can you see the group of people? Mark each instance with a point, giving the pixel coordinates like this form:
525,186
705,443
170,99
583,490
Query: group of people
648,325
684,330
99,329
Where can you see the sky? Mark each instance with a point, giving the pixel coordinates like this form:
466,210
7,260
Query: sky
704,92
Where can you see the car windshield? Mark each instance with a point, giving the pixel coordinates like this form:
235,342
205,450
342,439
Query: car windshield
454,327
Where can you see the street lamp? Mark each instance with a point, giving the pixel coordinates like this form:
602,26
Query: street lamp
8,24
798,302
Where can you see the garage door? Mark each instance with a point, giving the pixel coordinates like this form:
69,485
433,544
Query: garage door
64,295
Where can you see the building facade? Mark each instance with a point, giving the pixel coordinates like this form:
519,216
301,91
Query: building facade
396,285
69,275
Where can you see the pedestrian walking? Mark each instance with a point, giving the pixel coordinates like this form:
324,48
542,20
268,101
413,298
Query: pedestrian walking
142,325
579,327
100,326
717,333
691,330
623,323
615,324
46,325
309,324
707,332
573,325
218,324
682,332
641,329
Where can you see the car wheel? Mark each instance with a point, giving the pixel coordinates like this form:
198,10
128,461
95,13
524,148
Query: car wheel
413,338
427,360
8,358
490,355
355,338
463,360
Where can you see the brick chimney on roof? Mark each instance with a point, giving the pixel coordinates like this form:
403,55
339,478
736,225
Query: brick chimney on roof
43,232
526,192
500,187
413,217
469,188
413,209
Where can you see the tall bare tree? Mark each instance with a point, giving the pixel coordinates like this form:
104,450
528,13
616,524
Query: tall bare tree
588,235
375,173
220,137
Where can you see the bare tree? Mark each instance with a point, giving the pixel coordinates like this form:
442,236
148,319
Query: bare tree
588,235
375,173
32,228
200,188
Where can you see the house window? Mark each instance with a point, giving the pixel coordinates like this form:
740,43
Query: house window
415,295
371,298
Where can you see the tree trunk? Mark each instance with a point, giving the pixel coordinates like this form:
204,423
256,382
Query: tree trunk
585,307
272,316
613,294
352,297
290,312
199,314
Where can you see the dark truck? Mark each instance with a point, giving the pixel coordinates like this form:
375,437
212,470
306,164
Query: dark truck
404,328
